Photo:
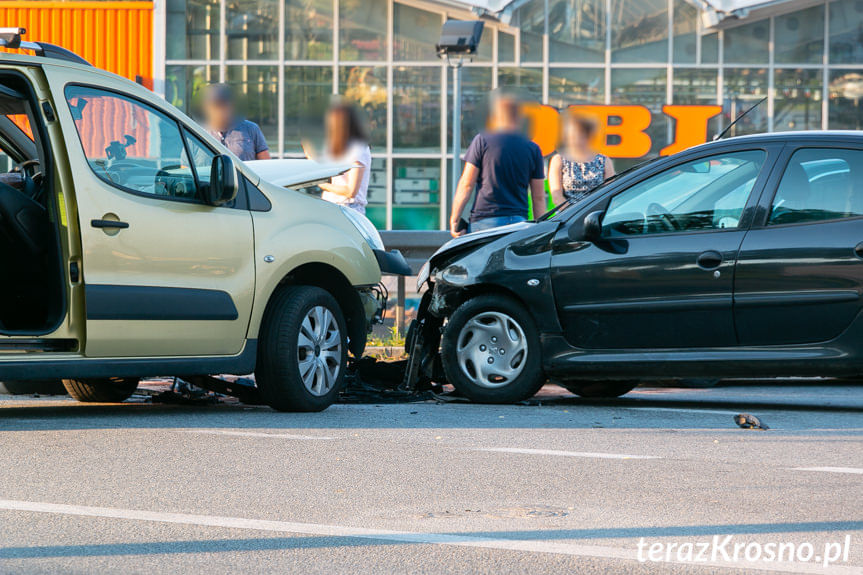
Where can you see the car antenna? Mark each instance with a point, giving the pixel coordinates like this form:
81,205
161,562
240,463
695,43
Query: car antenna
738,118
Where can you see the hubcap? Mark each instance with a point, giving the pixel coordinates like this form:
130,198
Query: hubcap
492,349
319,350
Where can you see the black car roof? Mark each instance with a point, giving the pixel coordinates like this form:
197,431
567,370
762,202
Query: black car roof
796,136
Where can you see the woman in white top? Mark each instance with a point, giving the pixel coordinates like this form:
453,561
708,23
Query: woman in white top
347,142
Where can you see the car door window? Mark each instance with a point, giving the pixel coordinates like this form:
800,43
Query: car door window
819,184
705,194
131,145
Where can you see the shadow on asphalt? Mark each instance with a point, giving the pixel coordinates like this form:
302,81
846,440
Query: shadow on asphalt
315,542
51,414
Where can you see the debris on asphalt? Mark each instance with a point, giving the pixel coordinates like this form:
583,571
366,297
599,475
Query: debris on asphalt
369,380
748,421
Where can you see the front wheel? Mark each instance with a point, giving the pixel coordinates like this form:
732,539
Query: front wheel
491,352
302,356
104,390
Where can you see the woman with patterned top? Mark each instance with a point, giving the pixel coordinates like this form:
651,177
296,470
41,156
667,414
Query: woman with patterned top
576,170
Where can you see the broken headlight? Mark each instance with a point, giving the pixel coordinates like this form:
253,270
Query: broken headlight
454,275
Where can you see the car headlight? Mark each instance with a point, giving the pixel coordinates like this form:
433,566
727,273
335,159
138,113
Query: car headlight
365,227
423,276
455,275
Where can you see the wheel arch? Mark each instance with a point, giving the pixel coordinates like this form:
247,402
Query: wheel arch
332,280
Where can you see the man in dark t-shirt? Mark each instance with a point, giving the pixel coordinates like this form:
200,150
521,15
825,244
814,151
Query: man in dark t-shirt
502,164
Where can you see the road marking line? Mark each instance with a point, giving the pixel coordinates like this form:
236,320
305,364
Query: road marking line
831,469
566,453
254,434
410,537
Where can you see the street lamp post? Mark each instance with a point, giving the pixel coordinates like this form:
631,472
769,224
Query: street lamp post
458,43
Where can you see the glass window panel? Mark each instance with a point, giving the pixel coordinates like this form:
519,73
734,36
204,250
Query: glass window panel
308,91
192,30
705,194
747,44
362,30
568,86
257,91
505,47
184,86
697,87
685,32
485,50
846,100
366,87
309,29
576,30
417,109
475,87
639,31
415,33
797,100
416,194
644,88
817,185
799,37
744,87
252,28
530,19
846,22
526,82
710,48
131,145
376,210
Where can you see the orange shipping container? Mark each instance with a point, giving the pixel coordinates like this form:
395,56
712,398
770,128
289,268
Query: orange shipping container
114,36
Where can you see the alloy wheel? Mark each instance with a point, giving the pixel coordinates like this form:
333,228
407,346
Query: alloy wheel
319,349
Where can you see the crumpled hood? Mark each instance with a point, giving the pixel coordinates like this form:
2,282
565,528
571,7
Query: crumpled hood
290,173
483,237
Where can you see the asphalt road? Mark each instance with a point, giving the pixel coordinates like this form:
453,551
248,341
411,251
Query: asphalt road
569,486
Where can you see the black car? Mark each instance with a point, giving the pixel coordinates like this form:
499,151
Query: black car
740,257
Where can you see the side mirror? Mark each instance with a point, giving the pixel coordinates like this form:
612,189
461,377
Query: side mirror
223,182
592,227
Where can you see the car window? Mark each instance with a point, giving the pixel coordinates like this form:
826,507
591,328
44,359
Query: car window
705,194
819,184
202,157
132,145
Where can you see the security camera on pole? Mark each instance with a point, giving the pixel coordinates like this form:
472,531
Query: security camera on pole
458,43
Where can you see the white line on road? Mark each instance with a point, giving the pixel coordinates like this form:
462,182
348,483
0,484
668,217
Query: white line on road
831,469
410,537
566,453
255,434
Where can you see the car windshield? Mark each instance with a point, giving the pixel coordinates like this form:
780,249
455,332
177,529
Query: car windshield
560,208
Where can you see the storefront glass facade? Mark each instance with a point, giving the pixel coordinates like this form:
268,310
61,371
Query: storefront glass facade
287,58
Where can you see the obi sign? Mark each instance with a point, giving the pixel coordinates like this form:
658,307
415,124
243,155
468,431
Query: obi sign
626,124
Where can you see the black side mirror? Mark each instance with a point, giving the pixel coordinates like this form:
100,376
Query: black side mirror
592,226
223,182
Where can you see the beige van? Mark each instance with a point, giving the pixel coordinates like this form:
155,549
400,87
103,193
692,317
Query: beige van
133,244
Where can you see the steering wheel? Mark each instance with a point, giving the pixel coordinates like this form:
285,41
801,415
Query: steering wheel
32,178
656,209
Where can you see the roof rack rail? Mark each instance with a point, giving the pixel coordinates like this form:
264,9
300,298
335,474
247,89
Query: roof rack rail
11,38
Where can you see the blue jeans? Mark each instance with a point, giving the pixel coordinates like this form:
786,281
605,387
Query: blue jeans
494,222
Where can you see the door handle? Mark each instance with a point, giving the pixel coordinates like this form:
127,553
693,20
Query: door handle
709,260
109,224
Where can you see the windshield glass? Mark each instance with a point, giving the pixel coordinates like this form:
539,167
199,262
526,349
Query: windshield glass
560,208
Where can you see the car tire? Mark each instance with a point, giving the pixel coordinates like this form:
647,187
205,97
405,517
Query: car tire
302,352
490,350
103,390
601,389
42,387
